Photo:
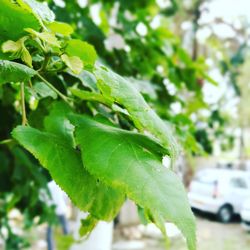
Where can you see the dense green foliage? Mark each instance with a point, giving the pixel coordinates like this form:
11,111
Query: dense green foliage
100,135
155,62
54,61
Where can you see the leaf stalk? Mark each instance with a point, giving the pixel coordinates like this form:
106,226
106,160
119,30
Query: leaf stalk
24,118
64,98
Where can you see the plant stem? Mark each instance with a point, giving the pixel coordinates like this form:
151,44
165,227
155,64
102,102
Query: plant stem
45,62
65,98
30,83
6,141
24,118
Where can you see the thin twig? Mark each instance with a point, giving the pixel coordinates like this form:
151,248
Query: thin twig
65,98
6,141
24,118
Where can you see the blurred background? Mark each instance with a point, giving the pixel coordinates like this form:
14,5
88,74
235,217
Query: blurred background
190,59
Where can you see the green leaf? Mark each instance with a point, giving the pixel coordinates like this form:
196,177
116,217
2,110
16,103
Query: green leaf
57,122
14,72
122,92
90,96
63,242
87,225
132,163
43,90
11,46
88,80
26,57
83,50
61,28
15,16
45,36
143,216
18,50
73,62
146,88
65,166
41,10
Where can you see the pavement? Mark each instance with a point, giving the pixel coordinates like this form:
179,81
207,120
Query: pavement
211,235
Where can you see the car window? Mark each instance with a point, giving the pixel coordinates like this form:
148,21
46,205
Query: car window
238,183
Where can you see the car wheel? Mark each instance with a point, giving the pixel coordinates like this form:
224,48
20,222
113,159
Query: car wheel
225,214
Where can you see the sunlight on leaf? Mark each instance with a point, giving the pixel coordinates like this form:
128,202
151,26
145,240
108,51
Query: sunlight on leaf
73,62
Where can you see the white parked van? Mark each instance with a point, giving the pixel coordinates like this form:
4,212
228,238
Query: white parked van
219,191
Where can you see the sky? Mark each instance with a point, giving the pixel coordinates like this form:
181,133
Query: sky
230,9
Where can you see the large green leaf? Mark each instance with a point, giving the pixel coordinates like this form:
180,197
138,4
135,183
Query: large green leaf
132,163
15,16
14,72
57,122
122,92
65,166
